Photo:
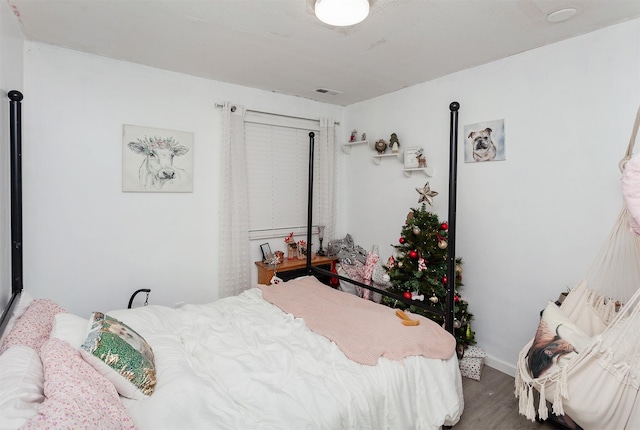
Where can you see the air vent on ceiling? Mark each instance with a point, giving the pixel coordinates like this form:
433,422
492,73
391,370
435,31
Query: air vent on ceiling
328,91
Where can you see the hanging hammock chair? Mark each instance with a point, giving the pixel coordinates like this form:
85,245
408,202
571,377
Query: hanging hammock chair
595,377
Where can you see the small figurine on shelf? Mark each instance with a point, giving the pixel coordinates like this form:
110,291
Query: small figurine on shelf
353,137
422,162
302,249
381,146
291,246
394,143
364,136
279,256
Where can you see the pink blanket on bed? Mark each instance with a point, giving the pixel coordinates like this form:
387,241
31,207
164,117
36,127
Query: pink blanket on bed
362,329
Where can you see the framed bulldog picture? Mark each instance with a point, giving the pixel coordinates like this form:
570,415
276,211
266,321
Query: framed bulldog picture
484,141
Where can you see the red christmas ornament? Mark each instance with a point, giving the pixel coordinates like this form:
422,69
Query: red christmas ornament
406,295
413,254
456,298
444,226
402,240
444,279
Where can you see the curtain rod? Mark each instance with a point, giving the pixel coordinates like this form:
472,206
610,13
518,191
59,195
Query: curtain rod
218,105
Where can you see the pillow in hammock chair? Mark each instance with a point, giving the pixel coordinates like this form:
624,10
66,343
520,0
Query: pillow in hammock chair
557,341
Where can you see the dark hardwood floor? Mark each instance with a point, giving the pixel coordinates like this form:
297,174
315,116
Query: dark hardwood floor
489,404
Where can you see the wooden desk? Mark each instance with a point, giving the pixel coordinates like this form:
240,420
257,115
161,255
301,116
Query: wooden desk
290,269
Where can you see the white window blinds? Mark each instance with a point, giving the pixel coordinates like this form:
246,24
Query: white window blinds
277,153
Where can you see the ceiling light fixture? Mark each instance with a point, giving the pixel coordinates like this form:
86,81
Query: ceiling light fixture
561,15
342,13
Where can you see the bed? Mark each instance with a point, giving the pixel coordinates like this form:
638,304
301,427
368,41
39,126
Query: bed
294,355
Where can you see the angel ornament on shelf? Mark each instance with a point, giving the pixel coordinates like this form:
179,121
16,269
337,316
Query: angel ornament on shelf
394,143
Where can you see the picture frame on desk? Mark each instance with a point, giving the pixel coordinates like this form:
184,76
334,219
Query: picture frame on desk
267,255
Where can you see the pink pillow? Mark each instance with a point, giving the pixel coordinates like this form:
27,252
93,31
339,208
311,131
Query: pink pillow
33,328
631,191
76,396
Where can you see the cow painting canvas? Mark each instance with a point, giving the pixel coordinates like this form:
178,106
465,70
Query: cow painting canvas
156,160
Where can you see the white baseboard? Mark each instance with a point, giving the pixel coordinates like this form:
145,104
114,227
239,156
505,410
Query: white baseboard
502,366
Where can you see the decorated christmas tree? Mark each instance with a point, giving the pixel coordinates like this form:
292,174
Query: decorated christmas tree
419,273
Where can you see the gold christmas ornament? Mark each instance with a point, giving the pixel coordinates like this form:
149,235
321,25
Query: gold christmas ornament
433,299
458,269
457,324
442,244
416,230
469,333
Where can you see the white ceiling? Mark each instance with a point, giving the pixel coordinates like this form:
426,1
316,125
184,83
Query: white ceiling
279,45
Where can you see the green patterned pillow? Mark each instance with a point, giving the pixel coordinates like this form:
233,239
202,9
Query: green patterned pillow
121,355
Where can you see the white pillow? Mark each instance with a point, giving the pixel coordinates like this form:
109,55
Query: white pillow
70,328
21,386
121,355
557,341
24,301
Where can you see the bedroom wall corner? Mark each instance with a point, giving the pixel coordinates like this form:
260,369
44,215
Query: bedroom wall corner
11,78
529,226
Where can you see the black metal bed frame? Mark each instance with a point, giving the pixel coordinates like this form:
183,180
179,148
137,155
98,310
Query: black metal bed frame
449,313
15,119
15,127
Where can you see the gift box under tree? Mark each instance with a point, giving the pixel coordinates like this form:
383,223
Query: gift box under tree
472,362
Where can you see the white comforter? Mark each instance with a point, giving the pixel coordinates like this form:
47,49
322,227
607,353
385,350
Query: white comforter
242,363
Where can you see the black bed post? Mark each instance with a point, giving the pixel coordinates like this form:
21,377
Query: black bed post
310,201
16,190
451,249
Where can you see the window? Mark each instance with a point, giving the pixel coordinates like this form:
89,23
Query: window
277,169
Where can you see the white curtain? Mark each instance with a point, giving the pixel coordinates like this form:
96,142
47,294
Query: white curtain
324,206
235,261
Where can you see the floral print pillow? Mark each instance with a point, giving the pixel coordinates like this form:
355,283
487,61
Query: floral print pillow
76,396
121,355
33,328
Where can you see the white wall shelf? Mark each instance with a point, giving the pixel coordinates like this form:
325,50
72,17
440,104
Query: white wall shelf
346,147
428,171
377,159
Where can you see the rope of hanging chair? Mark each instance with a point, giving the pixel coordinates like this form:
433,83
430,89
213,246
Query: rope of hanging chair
622,337
616,270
